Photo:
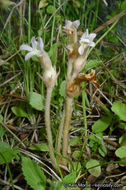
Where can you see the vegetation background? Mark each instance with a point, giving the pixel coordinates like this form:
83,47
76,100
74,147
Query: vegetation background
100,113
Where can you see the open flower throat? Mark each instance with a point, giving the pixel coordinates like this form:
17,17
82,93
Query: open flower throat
85,41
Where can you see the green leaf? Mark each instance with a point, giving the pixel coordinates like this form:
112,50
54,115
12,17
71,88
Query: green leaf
74,141
36,101
62,88
42,4
76,4
40,147
123,5
76,154
96,171
95,138
122,125
33,174
121,152
1,118
102,152
106,110
19,112
92,64
51,9
76,166
56,185
102,124
4,145
6,3
70,178
119,109
6,153
122,140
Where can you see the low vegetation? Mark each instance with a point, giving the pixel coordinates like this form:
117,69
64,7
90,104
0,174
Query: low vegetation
62,94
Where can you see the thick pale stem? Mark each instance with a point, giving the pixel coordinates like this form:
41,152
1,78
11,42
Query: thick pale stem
48,128
45,61
69,69
61,127
60,133
68,112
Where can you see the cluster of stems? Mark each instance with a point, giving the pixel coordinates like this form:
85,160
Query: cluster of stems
77,56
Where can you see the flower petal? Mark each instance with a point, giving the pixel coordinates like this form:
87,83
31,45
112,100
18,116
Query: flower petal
70,48
34,42
26,47
81,50
76,23
92,36
40,44
92,44
87,33
29,55
85,41
68,23
84,36
40,54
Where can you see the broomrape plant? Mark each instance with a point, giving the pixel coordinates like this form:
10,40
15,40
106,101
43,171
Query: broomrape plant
49,78
77,51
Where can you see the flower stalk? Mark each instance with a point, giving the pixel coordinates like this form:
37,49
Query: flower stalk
77,57
67,120
49,77
48,128
60,133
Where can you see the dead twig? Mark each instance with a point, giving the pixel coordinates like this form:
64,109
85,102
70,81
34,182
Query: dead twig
10,79
15,136
109,22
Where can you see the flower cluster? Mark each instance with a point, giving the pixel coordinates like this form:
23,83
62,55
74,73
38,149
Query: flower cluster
77,55
85,41
71,27
77,50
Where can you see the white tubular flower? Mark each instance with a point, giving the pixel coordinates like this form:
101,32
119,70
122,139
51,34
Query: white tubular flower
35,50
86,41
